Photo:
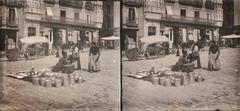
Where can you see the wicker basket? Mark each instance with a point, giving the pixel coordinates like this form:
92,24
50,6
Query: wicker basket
188,67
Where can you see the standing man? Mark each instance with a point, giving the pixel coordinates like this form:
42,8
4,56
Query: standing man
214,52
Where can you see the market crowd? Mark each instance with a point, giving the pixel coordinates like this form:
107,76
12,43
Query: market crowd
70,58
190,54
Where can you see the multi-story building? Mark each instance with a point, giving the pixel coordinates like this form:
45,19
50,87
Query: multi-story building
10,17
111,18
231,23
61,21
178,20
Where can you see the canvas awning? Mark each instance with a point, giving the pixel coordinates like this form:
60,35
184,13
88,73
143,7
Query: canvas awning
232,36
49,11
110,38
169,10
34,40
154,39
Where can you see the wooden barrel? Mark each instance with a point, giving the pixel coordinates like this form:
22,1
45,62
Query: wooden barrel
72,79
58,82
42,81
155,80
177,82
65,80
184,79
161,80
191,78
48,83
35,81
167,82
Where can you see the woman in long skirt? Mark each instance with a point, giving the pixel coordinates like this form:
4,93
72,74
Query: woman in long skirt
214,52
94,55
76,58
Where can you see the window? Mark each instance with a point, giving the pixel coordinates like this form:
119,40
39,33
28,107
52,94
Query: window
196,14
88,18
208,16
131,14
76,16
31,31
11,14
183,12
63,14
151,30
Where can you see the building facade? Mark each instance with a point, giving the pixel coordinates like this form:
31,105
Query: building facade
111,18
61,21
178,20
10,21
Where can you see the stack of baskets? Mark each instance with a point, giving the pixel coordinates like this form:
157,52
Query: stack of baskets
56,80
170,78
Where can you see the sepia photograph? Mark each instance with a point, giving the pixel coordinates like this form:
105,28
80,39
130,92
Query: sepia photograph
180,55
60,55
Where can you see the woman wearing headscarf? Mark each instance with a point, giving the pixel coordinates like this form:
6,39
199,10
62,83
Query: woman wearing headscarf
76,58
214,52
94,55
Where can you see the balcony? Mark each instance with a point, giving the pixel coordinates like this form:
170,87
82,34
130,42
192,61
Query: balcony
13,23
209,4
72,3
68,21
2,2
133,2
49,1
194,3
187,20
89,6
131,23
16,3
170,1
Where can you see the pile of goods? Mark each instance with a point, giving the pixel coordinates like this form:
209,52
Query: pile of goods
47,78
166,77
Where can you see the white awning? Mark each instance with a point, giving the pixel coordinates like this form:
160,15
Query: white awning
154,39
49,11
111,38
169,10
231,36
34,40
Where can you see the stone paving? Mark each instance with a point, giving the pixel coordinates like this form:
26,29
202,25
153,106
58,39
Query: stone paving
220,90
100,91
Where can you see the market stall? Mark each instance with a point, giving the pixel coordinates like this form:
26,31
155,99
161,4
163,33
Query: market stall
153,46
46,78
166,77
110,42
231,40
34,46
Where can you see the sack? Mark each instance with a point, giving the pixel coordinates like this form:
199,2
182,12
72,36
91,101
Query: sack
75,55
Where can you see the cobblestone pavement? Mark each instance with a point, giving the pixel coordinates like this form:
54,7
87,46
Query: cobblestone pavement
99,92
220,90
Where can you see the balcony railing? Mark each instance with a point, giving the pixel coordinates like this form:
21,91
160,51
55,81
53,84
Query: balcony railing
194,3
49,1
72,3
170,1
190,20
17,3
12,23
133,2
89,6
68,21
131,23
209,4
